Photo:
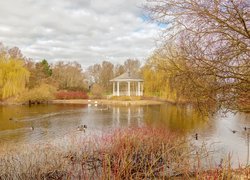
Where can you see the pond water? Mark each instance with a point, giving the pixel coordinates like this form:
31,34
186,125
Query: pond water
224,134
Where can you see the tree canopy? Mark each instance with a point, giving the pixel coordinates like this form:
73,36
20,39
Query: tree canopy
212,39
13,77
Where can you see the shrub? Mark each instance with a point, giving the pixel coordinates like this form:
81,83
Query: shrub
97,91
71,95
132,153
44,92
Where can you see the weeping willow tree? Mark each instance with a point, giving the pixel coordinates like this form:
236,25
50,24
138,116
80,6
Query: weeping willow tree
158,83
160,72
13,76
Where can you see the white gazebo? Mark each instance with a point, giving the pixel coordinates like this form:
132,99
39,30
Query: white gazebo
133,85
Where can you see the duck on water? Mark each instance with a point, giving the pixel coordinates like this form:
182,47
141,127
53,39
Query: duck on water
82,128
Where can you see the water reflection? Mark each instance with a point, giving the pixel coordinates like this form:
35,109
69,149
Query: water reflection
53,121
228,135
43,118
175,118
127,116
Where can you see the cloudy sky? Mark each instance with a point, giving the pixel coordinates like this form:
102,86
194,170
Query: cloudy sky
87,31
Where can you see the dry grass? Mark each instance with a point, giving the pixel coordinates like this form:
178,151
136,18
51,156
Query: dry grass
135,153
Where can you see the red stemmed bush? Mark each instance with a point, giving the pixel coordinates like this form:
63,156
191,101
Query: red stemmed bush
71,95
129,153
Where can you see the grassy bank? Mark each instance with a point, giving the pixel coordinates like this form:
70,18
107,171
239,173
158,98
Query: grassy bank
137,153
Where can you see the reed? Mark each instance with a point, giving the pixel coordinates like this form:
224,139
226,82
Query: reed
132,153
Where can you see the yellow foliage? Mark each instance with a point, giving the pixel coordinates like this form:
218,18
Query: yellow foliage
97,91
13,77
158,81
44,92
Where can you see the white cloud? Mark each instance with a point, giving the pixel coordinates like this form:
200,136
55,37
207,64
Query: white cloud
87,31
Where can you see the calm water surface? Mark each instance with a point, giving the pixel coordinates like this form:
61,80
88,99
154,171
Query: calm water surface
52,121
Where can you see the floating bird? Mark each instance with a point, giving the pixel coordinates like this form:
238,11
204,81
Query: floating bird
246,128
82,128
233,131
32,128
196,136
12,119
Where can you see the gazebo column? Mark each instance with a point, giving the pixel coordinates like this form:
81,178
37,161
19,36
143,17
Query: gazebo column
136,90
113,88
118,89
139,89
142,89
128,88
136,87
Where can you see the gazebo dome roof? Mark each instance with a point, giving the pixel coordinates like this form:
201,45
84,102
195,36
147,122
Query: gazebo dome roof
128,76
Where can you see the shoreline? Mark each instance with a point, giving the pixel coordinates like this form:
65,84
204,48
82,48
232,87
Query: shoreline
108,102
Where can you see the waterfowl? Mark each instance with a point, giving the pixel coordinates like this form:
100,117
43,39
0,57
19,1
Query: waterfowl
196,136
246,128
32,128
13,119
82,128
234,131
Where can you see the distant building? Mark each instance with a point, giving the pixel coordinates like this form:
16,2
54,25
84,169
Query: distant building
133,85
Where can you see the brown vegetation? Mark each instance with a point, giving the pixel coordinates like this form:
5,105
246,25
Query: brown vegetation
206,52
138,153
101,74
204,58
24,80
71,95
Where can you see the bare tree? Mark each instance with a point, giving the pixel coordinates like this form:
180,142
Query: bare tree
101,74
119,69
213,41
132,65
69,76
15,52
94,73
106,73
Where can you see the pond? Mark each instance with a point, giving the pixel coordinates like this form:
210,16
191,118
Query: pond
227,134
